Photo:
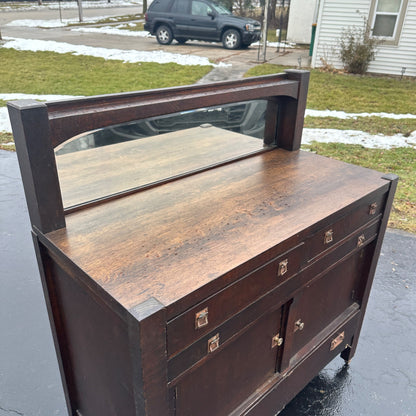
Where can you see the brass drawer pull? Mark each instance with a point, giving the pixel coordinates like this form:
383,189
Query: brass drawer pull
337,341
201,318
361,240
373,208
214,343
329,237
277,341
282,268
299,325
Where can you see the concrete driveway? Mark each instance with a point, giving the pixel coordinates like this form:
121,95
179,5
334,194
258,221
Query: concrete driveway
240,60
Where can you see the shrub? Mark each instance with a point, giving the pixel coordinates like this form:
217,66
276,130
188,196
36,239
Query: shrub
357,48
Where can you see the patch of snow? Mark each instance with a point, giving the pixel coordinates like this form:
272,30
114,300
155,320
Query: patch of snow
46,97
378,141
67,5
110,30
4,120
309,135
277,44
52,23
344,115
131,56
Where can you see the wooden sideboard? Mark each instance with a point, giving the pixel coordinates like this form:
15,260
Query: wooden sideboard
198,271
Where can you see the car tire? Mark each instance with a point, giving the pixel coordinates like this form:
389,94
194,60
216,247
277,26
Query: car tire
164,35
181,40
231,39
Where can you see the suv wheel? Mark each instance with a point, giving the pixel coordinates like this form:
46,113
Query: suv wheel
164,35
231,39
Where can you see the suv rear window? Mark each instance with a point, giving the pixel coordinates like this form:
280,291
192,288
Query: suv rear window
160,6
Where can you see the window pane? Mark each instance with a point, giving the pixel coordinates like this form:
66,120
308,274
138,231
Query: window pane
384,25
200,9
389,6
180,7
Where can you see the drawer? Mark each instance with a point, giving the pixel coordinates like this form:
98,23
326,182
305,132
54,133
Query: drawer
232,372
207,315
334,233
356,241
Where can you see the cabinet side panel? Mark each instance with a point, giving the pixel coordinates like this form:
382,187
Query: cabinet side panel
94,346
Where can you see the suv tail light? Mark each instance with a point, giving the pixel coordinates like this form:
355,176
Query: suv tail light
145,17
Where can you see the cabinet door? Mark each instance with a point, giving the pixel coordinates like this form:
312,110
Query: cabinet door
232,372
325,299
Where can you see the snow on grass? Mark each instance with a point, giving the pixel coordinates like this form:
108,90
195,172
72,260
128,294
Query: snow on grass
66,5
111,30
130,56
53,23
377,141
343,115
309,135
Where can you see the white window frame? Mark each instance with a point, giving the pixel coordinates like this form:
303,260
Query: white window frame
390,40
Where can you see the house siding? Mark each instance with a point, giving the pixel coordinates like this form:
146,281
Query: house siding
299,28
335,16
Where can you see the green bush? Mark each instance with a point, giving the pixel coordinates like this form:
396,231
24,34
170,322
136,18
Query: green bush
357,49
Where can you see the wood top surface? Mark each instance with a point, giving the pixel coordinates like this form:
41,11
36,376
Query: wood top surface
178,238
94,173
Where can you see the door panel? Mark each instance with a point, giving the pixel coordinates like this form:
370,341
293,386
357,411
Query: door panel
201,25
325,299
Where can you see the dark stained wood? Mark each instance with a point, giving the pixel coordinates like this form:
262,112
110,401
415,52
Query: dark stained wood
55,320
181,330
30,127
80,115
238,230
237,368
158,234
276,394
38,128
393,179
291,113
148,338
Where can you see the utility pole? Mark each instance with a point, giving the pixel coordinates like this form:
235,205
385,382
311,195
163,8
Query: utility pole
265,23
81,18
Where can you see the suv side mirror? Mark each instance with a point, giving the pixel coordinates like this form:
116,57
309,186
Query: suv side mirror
211,14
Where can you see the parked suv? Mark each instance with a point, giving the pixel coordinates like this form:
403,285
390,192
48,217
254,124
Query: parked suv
200,20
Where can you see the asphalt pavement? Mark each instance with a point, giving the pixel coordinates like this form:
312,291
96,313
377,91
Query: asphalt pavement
380,381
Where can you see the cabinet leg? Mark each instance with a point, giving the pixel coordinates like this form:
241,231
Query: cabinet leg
348,354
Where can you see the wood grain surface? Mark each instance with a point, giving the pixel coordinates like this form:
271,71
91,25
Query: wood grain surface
174,240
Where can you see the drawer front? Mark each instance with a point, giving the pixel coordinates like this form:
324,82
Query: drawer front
231,372
326,298
203,318
333,234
